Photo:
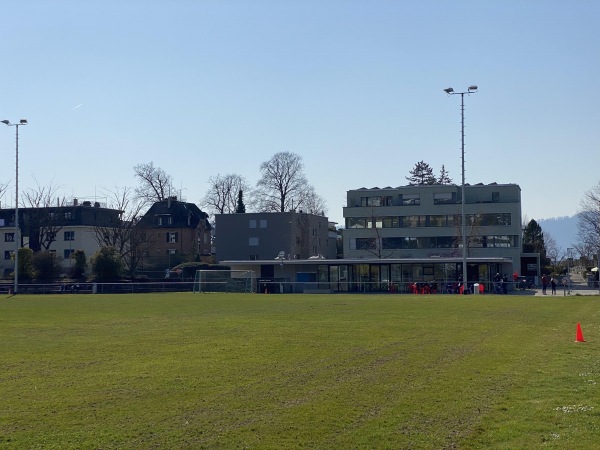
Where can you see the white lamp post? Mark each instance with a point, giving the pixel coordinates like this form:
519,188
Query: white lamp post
17,236
471,90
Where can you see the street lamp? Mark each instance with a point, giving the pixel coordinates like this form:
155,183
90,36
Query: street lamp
17,237
471,90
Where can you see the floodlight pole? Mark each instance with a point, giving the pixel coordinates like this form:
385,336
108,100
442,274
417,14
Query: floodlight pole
471,90
17,235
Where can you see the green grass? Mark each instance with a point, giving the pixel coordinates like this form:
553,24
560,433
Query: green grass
298,371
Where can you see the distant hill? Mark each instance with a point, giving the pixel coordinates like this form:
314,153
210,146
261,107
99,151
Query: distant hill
562,229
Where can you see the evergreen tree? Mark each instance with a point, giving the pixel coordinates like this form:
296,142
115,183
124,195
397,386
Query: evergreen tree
444,178
421,174
241,208
533,240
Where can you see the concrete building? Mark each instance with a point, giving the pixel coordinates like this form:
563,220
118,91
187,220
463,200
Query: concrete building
396,237
264,236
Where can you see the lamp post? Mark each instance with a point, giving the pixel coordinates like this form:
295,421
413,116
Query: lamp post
17,237
471,90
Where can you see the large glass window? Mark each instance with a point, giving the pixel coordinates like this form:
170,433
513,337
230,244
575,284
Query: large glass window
438,221
390,222
441,198
410,199
392,243
365,243
356,222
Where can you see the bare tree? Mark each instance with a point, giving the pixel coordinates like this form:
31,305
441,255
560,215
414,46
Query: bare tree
554,253
155,184
283,185
3,188
125,236
588,225
43,222
222,196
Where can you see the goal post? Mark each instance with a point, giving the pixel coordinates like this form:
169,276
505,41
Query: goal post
224,281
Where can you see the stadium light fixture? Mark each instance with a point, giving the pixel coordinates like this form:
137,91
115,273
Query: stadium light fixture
17,234
470,90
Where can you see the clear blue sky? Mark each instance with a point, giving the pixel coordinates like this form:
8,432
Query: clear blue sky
355,87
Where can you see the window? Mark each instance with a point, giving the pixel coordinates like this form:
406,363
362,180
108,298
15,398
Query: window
365,243
392,243
67,253
252,223
356,222
410,199
69,235
68,215
172,237
7,254
377,201
253,241
390,222
263,223
160,220
9,237
437,221
440,198
253,257
170,220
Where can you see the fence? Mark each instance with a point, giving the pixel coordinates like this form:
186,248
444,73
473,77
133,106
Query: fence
268,287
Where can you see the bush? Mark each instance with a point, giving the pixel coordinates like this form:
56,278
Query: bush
46,265
107,264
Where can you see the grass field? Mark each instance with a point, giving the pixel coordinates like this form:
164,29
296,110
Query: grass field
299,371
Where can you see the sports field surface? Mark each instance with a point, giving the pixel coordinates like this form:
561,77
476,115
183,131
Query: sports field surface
263,371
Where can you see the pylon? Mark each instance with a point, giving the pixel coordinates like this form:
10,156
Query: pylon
579,335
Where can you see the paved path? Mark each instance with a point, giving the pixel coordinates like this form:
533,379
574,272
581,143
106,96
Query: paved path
579,286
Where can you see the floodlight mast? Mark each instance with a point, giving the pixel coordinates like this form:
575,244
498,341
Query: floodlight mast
17,234
470,90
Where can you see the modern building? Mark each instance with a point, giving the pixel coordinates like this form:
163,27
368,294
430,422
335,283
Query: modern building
395,237
265,236
175,232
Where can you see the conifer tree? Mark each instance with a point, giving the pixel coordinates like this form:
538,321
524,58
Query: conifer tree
241,208
421,174
444,178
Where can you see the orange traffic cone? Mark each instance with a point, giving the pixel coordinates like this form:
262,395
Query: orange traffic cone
579,335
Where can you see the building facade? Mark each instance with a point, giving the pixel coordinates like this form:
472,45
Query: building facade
58,229
396,238
264,236
175,232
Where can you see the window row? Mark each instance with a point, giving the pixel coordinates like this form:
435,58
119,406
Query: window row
439,198
439,220
404,243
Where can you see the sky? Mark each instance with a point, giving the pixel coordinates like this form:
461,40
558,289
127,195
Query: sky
355,87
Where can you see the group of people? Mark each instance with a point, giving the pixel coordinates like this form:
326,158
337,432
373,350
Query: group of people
548,280
500,284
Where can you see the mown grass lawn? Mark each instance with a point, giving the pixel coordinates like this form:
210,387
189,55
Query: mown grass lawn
298,371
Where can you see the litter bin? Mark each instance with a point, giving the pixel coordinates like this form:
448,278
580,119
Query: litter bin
476,289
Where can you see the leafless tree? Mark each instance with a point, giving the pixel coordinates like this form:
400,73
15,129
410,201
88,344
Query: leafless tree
554,253
588,225
125,236
155,184
283,185
222,196
42,222
3,188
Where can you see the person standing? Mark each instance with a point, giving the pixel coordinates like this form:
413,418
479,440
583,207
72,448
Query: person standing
553,285
544,284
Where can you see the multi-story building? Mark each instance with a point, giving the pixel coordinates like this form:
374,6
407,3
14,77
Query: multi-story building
426,221
261,236
395,238
175,231
57,229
